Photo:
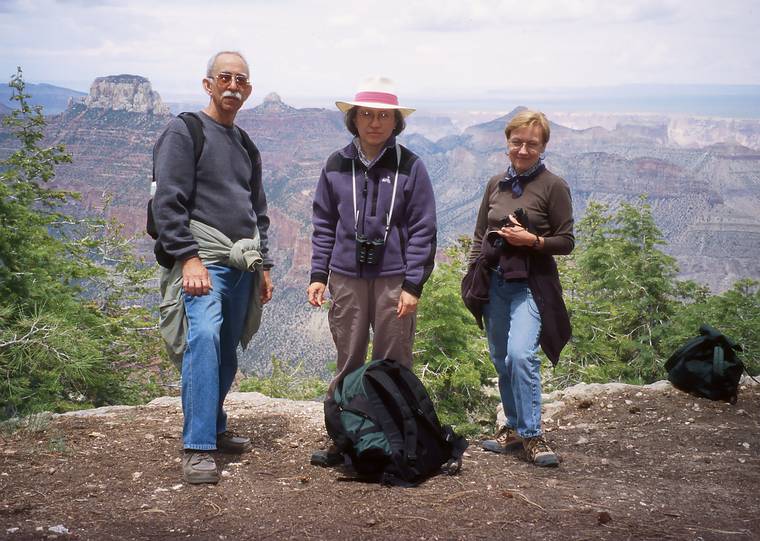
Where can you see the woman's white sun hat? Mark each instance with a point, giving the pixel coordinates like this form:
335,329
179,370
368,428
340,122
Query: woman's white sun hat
377,93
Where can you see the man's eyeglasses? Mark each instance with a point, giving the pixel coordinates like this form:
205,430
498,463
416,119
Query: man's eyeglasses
531,146
224,78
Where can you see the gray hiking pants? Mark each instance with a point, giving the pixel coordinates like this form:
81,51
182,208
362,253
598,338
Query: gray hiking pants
359,304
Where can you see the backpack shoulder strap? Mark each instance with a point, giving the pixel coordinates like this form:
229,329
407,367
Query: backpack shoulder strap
254,155
250,147
195,127
405,439
458,444
686,351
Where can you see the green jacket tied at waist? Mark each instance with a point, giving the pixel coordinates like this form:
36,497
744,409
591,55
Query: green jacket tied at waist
214,247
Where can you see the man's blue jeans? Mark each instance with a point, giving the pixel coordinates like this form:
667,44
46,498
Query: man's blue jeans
513,327
215,323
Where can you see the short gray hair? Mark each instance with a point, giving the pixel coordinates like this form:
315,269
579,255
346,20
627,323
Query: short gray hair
212,62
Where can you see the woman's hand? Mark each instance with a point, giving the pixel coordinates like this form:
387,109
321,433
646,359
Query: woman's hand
316,293
407,304
517,235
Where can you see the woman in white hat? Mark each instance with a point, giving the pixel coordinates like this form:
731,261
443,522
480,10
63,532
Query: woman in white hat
374,236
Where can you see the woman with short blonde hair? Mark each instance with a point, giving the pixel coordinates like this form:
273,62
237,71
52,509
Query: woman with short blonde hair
525,218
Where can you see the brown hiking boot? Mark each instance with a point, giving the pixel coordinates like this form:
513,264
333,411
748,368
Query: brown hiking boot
506,440
230,442
199,467
539,452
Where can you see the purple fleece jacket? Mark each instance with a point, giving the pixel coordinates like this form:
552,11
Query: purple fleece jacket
410,247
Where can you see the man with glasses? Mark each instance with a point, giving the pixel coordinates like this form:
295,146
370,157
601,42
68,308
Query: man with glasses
211,215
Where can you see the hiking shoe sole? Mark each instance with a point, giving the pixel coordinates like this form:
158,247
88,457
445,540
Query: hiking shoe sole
196,478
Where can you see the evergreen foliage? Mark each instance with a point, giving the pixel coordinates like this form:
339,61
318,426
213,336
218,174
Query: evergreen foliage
735,313
285,382
451,355
628,310
59,347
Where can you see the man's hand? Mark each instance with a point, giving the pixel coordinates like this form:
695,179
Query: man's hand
195,278
407,304
266,287
316,293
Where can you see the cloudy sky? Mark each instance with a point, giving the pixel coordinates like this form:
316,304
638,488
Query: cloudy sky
311,51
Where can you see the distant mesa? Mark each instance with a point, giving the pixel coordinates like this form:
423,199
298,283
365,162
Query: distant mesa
125,92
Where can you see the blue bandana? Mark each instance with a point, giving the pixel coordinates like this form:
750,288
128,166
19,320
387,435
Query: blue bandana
516,182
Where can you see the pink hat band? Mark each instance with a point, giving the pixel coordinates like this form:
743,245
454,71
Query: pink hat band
377,97
375,92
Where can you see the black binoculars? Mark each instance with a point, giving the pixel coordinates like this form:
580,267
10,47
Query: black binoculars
368,251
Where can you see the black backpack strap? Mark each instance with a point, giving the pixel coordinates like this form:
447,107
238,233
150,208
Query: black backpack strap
406,441
255,157
195,127
728,346
457,444
685,351
250,147
419,394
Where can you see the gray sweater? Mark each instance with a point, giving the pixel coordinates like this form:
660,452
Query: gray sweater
224,191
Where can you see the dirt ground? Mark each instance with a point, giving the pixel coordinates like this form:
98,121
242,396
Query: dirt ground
637,463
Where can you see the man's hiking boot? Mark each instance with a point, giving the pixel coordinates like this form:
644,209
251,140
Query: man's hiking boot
506,440
230,442
199,467
539,452
327,457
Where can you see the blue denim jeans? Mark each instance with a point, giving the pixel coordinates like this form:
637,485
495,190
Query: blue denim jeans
513,327
215,323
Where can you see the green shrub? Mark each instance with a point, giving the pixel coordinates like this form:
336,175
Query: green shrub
285,382
69,337
451,354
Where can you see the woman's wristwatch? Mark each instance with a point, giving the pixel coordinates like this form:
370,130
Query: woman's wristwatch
536,243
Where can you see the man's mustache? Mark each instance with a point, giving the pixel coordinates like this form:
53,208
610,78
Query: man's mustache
231,94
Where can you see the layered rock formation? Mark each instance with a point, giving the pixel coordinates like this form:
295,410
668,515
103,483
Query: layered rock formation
125,93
